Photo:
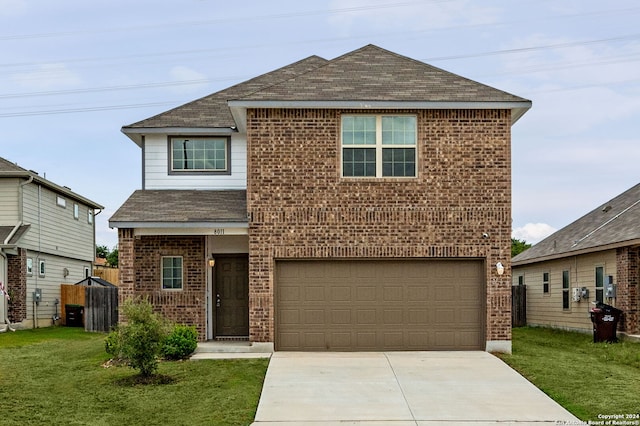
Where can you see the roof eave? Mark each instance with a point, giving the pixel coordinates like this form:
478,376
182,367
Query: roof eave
556,256
122,224
239,107
136,134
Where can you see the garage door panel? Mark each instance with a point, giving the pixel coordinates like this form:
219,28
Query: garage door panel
379,305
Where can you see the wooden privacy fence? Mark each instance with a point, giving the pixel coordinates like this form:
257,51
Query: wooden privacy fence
108,274
519,306
100,311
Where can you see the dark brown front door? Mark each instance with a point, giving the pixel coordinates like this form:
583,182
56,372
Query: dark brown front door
232,296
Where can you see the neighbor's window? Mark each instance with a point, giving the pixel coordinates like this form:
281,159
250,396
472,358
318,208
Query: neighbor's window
41,268
545,282
565,289
90,216
379,146
76,211
172,273
61,201
520,280
600,283
199,154
29,266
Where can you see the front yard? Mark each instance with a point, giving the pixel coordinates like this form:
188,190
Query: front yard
56,376
591,380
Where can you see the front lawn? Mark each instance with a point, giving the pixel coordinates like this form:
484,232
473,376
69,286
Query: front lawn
55,375
588,379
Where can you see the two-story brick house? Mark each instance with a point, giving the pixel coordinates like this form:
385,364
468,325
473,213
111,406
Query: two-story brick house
359,203
47,238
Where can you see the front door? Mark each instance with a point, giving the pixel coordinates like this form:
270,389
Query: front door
232,296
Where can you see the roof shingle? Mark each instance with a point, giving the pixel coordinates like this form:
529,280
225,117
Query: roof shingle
616,222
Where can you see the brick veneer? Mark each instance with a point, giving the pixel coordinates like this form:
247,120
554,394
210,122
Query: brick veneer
17,285
140,275
300,207
628,296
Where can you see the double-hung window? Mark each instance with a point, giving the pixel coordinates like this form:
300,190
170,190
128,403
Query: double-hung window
545,282
599,283
199,155
379,146
565,290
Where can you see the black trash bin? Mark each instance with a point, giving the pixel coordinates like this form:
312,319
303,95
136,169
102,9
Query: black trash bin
74,315
605,323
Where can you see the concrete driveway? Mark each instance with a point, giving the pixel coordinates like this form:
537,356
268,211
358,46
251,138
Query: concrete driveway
400,388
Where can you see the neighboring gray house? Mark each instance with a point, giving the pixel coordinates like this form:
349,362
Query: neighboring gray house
595,258
47,238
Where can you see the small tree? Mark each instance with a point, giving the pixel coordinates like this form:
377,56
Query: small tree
112,258
518,246
140,340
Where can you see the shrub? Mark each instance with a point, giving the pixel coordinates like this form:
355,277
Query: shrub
139,341
181,343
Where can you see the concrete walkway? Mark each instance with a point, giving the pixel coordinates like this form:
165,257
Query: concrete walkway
400,388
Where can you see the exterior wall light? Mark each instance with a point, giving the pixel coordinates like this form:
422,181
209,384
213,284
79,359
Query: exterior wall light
499,268
212,263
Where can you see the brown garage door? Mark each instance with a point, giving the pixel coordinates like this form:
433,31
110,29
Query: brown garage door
379,305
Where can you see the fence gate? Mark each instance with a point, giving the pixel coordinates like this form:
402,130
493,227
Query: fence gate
101,308
519,306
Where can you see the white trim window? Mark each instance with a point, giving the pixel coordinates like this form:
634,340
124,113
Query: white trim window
379,146
29,266
61,202
199,155
76,211
42,268
172,272
90,217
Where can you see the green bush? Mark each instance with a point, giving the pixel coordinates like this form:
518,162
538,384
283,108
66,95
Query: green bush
139,341
181,343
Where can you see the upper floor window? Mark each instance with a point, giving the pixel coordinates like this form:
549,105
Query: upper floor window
76,211
545,282
61,201
199,154
379,146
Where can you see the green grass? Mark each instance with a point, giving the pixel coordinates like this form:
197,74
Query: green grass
588,379
55,375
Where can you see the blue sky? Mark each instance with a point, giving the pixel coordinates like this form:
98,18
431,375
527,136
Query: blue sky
72,73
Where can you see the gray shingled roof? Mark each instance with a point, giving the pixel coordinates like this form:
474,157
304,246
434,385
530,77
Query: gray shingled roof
165,206
212,110
613,224
368,74
11,170
375,74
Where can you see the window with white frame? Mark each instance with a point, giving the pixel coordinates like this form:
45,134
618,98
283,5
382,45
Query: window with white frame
199,154
379,146
565,290
60,201
90,216
545,282
172,273
29,266
42,268
76,211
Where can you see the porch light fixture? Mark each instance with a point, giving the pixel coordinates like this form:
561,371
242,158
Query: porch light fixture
499,268
212,262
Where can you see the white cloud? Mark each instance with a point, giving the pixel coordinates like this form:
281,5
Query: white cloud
185,74
51,76
12,7
407,16
533,232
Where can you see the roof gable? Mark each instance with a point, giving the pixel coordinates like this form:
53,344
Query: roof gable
212,111
615,223
372,73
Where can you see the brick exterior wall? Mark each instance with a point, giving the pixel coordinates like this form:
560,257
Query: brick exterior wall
300,206
17,285
628,296
140,275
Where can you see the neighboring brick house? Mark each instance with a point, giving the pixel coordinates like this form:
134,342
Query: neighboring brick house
595,258
47,238
359,203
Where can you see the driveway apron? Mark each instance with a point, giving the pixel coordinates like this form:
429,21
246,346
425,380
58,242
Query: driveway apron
400,388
